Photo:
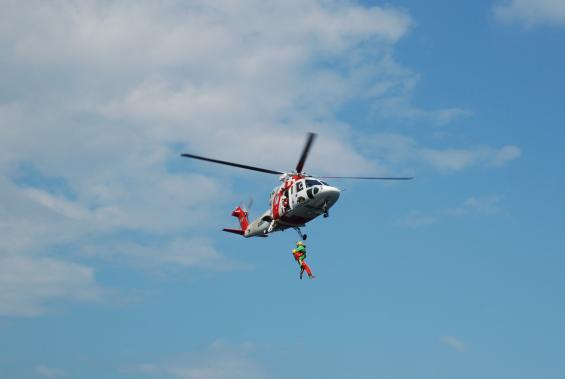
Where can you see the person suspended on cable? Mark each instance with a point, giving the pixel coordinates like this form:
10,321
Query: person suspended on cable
300,255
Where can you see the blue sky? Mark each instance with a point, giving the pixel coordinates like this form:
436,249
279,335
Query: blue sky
112,263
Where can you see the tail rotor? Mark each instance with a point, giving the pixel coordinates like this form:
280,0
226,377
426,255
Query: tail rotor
249,205
246,207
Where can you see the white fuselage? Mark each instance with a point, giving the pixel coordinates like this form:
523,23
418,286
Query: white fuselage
295,202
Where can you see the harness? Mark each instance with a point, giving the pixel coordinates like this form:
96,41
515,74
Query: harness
299,254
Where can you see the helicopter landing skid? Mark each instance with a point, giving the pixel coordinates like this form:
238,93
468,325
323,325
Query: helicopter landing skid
302,236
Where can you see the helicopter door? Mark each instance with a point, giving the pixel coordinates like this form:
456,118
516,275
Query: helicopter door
298,195
291,197
285,201
276,204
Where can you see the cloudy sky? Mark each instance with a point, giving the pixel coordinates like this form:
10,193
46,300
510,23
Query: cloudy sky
112,263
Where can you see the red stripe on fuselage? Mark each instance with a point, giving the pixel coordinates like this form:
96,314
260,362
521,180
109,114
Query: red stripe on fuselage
276,201
275,210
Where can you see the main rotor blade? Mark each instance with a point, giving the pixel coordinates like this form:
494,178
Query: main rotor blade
365,177
305,151
233,164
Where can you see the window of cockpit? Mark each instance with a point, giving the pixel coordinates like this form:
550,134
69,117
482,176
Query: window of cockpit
299,186
311,183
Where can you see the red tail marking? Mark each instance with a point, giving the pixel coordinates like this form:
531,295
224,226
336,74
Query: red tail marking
242,217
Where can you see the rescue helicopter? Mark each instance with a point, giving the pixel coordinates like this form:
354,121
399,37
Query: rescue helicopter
299,199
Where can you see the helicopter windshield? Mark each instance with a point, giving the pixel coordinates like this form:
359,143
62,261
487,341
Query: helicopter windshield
310,183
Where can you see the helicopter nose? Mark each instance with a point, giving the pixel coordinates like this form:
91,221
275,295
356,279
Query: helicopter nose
329,194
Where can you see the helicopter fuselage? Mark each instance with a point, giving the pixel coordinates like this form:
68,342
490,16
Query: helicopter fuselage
298,200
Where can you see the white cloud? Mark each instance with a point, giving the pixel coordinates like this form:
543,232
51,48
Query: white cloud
220,361
104,33
397,149
532,12
458,159
57,204
32,220
189,73
505,154
44,371
392,97
481,205
27,284
176,254
455,344
402,107
415,220
101,95
478,204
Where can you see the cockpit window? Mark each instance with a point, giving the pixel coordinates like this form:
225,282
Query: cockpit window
310,183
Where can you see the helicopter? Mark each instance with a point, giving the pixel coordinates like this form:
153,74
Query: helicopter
299,199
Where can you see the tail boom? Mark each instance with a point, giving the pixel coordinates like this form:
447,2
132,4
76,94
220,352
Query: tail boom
256,229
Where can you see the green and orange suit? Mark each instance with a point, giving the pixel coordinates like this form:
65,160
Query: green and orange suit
300,255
